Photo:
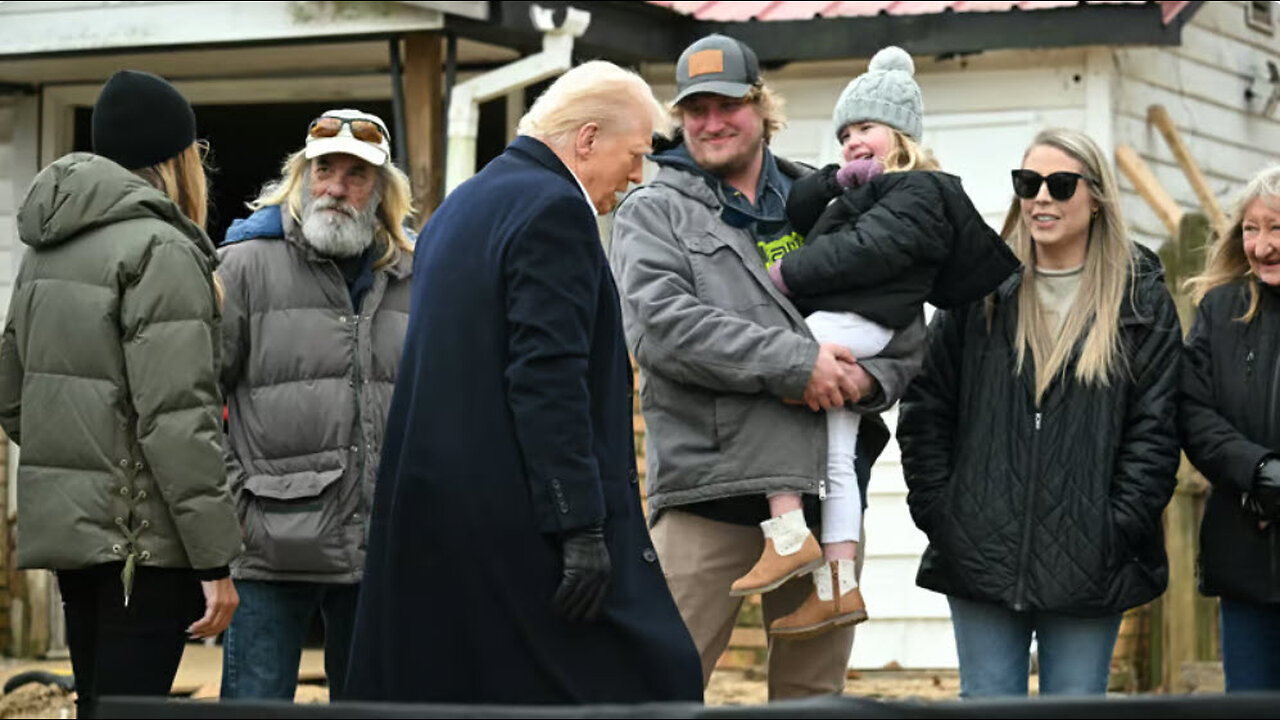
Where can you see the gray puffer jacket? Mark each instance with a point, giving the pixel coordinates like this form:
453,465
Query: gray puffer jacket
308,381
719,348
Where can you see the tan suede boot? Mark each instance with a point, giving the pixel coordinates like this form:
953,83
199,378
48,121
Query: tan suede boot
789,550
834,602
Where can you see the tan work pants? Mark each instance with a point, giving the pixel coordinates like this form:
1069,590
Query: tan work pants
701,558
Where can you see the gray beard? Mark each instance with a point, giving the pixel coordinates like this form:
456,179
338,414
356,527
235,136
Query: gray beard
343,234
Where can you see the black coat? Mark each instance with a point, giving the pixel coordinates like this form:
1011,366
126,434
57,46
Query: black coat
1229,418
510,424
1054,508
884,249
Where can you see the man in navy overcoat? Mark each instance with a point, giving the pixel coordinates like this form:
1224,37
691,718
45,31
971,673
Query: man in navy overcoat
508,558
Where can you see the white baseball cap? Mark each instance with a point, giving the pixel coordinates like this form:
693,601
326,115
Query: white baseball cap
348,131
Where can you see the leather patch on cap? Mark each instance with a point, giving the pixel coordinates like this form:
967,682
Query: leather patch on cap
704,62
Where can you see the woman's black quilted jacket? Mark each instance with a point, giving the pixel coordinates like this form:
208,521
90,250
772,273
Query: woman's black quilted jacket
1056,507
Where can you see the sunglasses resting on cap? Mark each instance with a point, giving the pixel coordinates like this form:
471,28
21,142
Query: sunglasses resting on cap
349,131
1062,185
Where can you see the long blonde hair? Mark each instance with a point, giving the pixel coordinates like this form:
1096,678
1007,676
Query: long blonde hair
182,178
393,211
1227,262
1108,267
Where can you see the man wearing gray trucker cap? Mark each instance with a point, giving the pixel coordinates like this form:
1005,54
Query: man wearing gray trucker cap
731,377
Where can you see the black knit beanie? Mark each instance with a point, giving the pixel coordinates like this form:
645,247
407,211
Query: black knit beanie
140,120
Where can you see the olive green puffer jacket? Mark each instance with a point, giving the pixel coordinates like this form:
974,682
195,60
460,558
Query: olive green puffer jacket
108,377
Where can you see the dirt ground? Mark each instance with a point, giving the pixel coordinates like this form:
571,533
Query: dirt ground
200,673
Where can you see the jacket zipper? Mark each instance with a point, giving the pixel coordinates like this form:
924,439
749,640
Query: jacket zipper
357,383
1019,601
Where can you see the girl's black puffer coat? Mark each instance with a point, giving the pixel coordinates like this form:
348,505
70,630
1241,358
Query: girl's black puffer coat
1229,418
1056,507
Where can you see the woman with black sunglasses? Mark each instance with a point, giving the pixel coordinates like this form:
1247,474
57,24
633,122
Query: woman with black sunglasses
1038,442
1229,417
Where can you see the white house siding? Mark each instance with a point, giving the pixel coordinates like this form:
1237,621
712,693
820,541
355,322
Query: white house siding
18,165
1202,84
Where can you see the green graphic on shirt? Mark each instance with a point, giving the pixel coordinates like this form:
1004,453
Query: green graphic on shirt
773,250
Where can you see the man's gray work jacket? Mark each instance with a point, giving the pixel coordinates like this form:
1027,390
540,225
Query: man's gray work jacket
308,381
719,348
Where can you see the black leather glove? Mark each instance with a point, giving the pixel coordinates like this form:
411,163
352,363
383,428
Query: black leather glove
585,580
1264,497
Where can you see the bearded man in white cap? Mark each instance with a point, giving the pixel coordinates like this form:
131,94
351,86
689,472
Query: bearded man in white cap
316,301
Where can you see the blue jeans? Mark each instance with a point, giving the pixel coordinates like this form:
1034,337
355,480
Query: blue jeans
1250,646
994,645
262,649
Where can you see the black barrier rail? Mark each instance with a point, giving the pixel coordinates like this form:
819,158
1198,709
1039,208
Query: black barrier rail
1147,706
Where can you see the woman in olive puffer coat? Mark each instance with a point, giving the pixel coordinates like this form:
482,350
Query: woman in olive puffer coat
108,381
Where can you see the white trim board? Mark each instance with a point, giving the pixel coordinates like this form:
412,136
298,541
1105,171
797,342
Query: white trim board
55,27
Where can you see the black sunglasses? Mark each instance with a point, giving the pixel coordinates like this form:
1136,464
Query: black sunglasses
1062,185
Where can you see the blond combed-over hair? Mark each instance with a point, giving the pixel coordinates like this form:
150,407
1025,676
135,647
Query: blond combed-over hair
593,92
394,210
1108,271
1227,262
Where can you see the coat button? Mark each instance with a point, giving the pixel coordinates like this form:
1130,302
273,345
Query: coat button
146,524
355,448
649,555
124,463
116,549
564,508
124,491
139,465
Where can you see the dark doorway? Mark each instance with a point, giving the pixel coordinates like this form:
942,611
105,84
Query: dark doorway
247,145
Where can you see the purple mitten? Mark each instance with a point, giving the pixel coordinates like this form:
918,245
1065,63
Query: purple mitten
857,173
775,274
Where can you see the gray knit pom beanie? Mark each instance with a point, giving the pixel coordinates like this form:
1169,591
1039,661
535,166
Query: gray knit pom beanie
886,93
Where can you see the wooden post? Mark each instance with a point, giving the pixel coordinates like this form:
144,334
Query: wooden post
1145,182
1180,600
1186,616
1183,257
424,118
1158,116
